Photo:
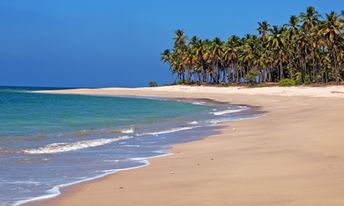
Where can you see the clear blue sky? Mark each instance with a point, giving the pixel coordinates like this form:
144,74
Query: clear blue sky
84,43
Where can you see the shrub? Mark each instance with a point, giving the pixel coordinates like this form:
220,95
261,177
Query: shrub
180,81
287,83
251,76
299,79
153,84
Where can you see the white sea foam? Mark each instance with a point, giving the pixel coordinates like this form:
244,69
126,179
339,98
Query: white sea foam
28,182
214,122
199,103
167,131
193,123
66,147
230,111
144,159
226,112
111,161
128,131
130,145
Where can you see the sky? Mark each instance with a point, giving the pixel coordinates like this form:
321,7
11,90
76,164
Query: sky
103,43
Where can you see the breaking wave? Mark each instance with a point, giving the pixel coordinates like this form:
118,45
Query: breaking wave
66,147
193,123
128,131
229,111
167,131
199,103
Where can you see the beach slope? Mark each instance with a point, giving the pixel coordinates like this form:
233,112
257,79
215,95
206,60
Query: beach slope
291,155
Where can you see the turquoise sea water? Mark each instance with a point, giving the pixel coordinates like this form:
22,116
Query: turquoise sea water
48,141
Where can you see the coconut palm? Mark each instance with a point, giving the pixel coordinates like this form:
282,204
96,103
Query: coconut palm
277,42
331,29
263,28
309,48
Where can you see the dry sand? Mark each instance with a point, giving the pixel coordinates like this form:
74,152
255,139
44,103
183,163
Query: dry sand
293,155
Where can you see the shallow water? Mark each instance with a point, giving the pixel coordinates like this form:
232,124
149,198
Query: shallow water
48,141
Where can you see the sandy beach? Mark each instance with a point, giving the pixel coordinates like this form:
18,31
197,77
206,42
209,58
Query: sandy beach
291,155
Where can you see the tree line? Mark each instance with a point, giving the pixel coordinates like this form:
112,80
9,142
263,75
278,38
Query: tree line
308,49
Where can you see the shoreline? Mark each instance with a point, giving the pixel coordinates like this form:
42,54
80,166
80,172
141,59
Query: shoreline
177,90
72,195
58,190
69,187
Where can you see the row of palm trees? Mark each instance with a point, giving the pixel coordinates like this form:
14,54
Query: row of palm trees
310,48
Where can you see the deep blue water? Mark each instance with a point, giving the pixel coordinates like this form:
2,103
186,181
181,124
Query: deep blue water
48,140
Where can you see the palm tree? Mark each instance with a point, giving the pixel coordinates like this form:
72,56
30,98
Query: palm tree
215,60
309,48
331,30
165,56
180,39
277,42
291,41
310,19
180,47
231,55
263,28
188,60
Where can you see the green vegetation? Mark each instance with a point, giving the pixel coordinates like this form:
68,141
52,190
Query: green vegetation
180,81
152,84
308,49
251,76
287,83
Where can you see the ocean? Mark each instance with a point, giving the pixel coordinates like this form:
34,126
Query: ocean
48,141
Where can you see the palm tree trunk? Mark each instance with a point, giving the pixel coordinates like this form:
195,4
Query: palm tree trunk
281,70
237,76
189,76
335,66
229,73
204,71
